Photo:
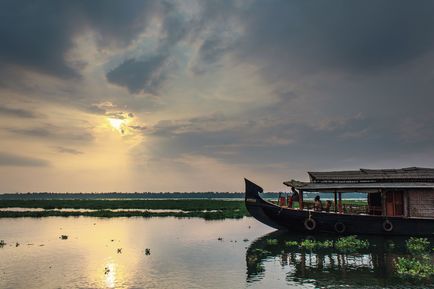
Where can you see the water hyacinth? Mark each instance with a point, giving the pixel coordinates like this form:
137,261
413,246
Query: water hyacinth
312,245
344,244
350,244
414,269
419,266
417,245
291,243
272,242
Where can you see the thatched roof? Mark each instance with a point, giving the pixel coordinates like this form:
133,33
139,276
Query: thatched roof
412,174
368,180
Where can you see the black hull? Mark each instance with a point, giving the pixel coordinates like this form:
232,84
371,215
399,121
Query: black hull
312,222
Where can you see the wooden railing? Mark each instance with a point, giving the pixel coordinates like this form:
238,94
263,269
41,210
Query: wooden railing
347,208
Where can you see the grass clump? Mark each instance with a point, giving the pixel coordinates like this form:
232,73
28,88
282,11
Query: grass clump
350,244
2,243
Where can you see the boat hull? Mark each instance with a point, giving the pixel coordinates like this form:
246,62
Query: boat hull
313,222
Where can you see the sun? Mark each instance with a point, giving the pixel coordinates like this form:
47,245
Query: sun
117,124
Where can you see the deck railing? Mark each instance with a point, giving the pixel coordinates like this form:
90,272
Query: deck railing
347,208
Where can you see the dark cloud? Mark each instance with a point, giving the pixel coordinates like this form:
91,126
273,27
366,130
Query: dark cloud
7,159
54,133
17,112
211,29
38,35
100,108
119,114
289,36
138,75
340,142
66,150
138,127
35,35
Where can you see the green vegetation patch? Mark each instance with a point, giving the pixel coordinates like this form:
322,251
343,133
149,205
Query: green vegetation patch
217,215
206,209
417,245
272,242
350,244
312,245
419,266
414,268
291,243
184,204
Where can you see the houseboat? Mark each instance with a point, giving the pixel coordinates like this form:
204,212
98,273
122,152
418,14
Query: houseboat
399,202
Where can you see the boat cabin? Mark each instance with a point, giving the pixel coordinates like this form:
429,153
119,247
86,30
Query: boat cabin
407,192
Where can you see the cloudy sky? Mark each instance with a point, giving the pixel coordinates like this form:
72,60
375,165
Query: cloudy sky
195,95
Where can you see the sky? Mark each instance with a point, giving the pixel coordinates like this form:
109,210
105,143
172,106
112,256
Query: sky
189,95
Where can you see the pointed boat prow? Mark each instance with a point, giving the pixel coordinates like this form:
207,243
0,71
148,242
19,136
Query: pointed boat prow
255,204
252,190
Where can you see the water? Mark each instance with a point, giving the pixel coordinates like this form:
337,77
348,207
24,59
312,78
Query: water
184,253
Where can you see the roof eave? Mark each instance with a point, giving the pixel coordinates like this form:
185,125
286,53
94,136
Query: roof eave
364,187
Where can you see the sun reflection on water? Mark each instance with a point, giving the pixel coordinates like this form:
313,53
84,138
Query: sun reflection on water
110,275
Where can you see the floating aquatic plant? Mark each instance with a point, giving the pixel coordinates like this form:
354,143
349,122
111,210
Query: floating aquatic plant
308,244
312,244
414,269
261,251
291,243
272,242
418,267
417,245
350,244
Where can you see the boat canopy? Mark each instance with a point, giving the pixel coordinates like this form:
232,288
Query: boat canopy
367,180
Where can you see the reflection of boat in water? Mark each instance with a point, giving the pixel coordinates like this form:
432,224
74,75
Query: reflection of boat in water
400,202
325,268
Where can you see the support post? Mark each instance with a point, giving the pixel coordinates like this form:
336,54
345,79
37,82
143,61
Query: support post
383,203
340,203
300,199
406,204
336,202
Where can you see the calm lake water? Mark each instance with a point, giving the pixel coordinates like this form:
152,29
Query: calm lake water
184,253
